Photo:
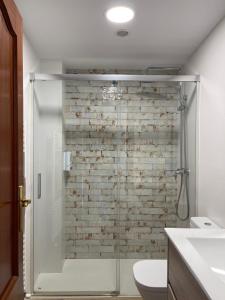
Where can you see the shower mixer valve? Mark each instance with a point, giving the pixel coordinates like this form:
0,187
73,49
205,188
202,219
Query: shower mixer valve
182,171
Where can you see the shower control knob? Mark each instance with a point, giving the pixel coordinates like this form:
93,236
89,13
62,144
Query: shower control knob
182,171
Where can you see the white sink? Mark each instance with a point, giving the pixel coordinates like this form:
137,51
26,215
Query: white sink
212,251
203,250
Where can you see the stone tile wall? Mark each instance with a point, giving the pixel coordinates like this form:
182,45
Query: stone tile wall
121,191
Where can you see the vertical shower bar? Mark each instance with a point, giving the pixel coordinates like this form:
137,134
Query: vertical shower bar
118,110
32,186
197,118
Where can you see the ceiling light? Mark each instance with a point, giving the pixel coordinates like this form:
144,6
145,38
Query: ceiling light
120,14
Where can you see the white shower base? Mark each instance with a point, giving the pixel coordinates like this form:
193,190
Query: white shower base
89,276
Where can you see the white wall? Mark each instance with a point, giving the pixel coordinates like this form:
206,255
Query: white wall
209,62
30,64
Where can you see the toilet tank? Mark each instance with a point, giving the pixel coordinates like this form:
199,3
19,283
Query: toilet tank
203,222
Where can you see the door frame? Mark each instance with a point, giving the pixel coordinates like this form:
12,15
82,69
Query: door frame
13,20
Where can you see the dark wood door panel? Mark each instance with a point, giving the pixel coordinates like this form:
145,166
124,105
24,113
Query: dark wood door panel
6,154
11,149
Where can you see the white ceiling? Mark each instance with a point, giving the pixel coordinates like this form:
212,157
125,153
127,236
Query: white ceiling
76,31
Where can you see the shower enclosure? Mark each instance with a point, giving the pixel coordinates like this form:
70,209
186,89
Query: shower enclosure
114,155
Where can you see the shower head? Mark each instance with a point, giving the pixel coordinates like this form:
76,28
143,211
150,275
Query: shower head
114,83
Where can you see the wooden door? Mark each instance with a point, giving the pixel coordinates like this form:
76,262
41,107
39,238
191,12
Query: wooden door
11,151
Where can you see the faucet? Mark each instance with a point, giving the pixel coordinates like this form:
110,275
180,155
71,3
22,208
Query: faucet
182,171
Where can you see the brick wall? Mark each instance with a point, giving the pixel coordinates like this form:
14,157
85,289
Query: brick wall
121,191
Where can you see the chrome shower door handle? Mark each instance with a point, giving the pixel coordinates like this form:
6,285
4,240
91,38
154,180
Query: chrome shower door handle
39,186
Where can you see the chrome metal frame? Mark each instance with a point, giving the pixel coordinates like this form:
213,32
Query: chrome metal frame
105,77
114,77
74,294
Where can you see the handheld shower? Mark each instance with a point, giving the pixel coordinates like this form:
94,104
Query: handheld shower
183,170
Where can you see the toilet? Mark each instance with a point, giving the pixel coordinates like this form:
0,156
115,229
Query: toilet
151,275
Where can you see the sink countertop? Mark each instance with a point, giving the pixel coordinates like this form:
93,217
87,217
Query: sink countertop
213,286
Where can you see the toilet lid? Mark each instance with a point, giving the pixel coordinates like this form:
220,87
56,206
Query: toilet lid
151,273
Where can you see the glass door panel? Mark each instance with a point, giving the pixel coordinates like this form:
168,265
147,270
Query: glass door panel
75,188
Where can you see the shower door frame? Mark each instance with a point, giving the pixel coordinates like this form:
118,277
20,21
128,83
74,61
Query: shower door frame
115,77
101,77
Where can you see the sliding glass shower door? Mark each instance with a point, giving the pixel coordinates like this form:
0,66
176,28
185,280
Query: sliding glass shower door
105,181
91,187
148,156
76,200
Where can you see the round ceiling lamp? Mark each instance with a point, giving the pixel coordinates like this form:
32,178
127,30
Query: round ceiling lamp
120,14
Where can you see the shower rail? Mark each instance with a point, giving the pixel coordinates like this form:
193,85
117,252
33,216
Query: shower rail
114,77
